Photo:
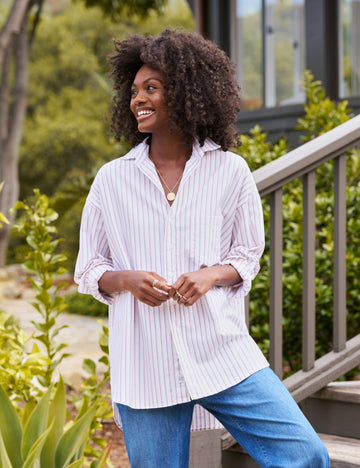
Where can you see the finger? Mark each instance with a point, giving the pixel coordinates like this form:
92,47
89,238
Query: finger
192,300
178,297
165,287
172,293
151,301
179,283
184,299
159,296
160,283
181,298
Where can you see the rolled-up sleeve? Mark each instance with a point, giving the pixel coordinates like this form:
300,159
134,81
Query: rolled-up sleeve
94,255
247,244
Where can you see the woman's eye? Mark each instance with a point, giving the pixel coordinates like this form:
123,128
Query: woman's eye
133,92
151,86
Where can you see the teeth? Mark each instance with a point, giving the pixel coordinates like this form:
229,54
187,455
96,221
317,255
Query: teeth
144,112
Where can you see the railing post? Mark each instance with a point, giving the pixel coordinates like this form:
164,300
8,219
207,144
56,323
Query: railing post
308,300
276,289
339,332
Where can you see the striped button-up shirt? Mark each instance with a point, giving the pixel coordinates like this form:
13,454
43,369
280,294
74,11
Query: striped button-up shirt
162,356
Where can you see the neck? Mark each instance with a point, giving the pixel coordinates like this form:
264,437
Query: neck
169,150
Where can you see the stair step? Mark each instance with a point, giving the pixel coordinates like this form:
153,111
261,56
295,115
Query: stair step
344,452
340,391
335,409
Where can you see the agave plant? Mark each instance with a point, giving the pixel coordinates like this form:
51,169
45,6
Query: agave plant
44,439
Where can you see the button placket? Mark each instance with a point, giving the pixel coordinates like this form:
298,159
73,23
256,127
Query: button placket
169,246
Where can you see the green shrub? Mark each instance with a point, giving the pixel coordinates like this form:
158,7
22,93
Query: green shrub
83,304
45,439
45,265
20,370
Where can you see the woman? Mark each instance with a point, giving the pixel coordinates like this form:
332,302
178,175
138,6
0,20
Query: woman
171,238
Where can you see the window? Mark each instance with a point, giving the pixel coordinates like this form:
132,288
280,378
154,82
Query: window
349,48
269,49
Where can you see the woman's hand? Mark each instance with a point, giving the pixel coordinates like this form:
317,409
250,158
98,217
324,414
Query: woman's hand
146,286
189,287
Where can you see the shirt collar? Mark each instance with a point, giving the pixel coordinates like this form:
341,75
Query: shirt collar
209,145
141,151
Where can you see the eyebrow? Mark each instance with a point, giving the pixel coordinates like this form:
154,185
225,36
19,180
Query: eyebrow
149,79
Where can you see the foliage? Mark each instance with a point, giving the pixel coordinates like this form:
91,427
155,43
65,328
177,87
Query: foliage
20,368
321,113
25,375
45,439
117,8
83,304
93,394
258,151
43,262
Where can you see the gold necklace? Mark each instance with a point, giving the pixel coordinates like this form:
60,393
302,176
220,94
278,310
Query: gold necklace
171,194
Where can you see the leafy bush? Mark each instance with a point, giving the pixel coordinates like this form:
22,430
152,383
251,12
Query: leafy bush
83,304
45,439
26,375
42,261
21,369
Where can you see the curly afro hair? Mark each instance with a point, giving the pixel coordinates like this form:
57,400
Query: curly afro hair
201,89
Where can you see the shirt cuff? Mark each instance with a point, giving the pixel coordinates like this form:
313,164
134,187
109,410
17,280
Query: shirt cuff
246,272
89,284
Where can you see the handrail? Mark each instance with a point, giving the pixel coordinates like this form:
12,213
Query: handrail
306,157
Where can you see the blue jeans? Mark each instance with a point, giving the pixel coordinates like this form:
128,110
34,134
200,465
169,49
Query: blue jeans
259,412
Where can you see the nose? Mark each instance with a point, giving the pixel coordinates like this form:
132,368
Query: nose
139,98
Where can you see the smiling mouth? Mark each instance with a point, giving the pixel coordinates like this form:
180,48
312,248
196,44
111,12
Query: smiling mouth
143,114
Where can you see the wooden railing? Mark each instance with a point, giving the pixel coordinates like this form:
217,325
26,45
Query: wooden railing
270,179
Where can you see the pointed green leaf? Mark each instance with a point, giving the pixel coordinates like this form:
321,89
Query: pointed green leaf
76,464
33,457
36,424
102,460
89,366
10,429
19,205
29,408
74,438
3,219
4,458
57,414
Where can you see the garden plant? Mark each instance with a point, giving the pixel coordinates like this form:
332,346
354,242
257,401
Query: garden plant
36,430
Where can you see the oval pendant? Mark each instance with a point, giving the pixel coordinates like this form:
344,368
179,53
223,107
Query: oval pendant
171,196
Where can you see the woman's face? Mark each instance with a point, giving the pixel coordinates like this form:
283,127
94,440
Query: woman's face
148,101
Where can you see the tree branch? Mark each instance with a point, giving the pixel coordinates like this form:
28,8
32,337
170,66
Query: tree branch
12,26
20,89
40,4
5,98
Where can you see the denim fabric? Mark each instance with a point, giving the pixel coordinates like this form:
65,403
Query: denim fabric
259,412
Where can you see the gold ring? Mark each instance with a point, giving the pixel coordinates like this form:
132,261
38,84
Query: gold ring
155,282
185,298
178,294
